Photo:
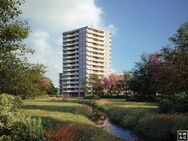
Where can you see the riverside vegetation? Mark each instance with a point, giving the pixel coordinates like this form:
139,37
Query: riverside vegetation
67,121
143,118
70,118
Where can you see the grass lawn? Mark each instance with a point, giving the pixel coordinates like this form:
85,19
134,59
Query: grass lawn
121,103
70,120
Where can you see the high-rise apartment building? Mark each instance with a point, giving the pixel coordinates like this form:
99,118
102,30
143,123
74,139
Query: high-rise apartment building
85,51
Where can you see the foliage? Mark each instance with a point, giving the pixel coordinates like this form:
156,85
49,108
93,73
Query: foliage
164,73
16,126
179,103
10,103
174,74
141,83
91,97
17,76
143,119
109,83
81,132
93,85
114,85
159,127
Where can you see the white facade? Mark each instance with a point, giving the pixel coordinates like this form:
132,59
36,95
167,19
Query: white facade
85,51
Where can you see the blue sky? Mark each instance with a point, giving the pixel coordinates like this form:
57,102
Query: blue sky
138,26
142,26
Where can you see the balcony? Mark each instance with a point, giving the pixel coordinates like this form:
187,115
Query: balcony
70,69
91,63
69,87
94,55
69,74
94,46
70,57
70,48
70,39
70,61
95,33
70,44
94,68
99,59
97,50
70,52
70,78
70,35
71,65
71,82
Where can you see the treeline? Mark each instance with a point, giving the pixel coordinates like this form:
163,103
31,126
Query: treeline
163,75
18,76
113,85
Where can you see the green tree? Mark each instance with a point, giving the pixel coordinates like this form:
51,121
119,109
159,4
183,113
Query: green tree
140,82
93,85
174,73
17,76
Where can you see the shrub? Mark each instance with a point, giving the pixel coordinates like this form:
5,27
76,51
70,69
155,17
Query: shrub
16,126
92,96
27,128
166,106
9,102
159,127
178,103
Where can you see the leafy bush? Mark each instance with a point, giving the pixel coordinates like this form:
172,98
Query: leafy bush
16,126
159,127
9,102
125,117
92,96
178,103
166,106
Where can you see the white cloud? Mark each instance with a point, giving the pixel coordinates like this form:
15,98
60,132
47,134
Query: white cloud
49,18
45,53
58,15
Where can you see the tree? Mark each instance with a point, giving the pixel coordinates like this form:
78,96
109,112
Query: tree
93,85
174,71
165,72
17,76
109,84
141,83
46,85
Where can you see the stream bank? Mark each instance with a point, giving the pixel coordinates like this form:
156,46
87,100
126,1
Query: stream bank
102,120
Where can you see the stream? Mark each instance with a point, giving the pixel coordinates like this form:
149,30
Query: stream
102,120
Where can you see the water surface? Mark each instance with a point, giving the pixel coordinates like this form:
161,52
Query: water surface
102,120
